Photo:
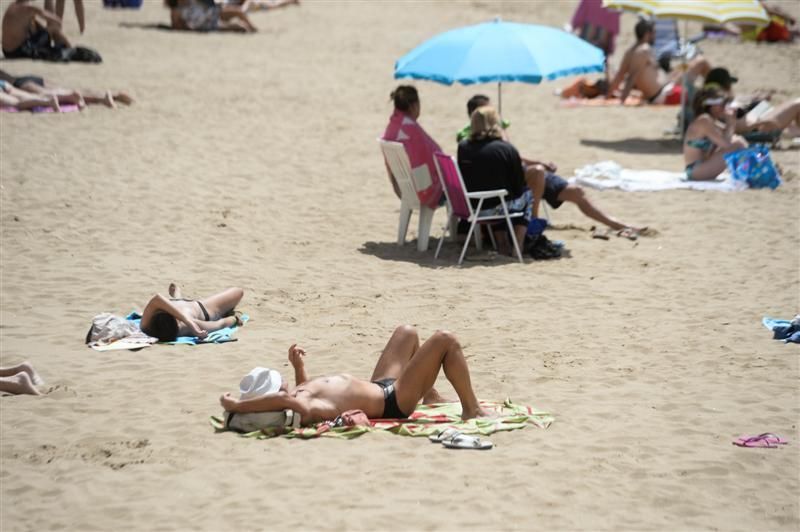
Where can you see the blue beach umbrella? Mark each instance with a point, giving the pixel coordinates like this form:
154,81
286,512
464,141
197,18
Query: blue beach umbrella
500,51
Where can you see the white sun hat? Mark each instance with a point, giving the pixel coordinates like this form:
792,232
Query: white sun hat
260,381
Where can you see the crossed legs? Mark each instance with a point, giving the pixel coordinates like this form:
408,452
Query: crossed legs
416,368
20,379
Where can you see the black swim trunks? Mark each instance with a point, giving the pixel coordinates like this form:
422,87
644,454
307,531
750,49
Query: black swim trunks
553,186
390,408
22,80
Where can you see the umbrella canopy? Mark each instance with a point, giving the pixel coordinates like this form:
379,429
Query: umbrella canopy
499,51
709,11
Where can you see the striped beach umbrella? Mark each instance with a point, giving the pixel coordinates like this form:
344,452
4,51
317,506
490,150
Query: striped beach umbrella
708,11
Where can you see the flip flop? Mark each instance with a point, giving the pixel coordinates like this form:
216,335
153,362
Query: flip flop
465,441
446,434
629,232
599,233
767,440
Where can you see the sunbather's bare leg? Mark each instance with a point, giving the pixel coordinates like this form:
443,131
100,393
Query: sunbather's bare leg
441,350
394,358
24,367
781,117
230,12
535,176
222,304
715,165
64,95
697,67
29,101
20,383
577,196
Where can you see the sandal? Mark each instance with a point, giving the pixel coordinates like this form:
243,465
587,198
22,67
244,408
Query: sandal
629,232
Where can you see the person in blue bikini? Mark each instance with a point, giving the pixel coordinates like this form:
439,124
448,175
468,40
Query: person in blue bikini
166,318
710,136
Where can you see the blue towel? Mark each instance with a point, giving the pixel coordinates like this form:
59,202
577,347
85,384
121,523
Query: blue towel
782,329
216,337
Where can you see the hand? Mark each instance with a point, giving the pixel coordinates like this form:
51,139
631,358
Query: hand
228,402
550,167
296,355
198,331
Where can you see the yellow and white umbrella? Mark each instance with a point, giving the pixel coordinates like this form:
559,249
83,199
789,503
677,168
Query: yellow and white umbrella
708,11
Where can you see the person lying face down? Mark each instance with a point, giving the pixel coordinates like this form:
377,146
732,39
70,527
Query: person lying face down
404,374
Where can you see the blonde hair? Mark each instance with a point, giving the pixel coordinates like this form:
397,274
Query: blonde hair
485,124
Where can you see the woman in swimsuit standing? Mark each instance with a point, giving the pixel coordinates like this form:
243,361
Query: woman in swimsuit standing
167,318
710,136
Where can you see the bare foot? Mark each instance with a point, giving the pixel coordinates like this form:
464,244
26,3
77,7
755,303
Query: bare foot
476,412
27,368
108,100
124,97
54,103
433,397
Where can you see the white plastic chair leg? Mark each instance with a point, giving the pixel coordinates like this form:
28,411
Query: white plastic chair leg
402,228
466,242
425,222
513,233
447,228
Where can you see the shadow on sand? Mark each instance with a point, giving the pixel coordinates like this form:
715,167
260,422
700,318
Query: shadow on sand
448,258
637,145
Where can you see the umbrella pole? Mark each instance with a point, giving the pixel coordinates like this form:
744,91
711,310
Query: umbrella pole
685,80
499,99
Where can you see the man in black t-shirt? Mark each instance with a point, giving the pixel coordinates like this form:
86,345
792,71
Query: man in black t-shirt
488,162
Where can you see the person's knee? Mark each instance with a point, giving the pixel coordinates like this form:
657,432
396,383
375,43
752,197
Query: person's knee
572,193
445,337
405,330
738,142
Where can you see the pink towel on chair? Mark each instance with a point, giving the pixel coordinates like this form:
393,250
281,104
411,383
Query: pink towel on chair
420,148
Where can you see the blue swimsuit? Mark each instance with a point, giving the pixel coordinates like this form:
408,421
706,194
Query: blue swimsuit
703,144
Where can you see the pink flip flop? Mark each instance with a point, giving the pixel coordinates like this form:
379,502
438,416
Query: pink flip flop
767,440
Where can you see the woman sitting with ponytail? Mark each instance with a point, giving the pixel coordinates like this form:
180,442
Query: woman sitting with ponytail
710,136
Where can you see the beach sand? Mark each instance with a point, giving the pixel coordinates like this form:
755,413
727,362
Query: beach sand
251,160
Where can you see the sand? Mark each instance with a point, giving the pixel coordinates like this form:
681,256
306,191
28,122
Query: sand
250,160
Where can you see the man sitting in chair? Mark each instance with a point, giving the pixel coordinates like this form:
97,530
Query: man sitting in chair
488,161
404,374
420,147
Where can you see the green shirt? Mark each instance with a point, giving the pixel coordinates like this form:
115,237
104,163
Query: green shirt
467,131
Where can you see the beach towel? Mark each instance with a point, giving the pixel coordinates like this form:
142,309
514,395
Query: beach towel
788,331
426,420
608,174
420,148
217,337
66,108
630,101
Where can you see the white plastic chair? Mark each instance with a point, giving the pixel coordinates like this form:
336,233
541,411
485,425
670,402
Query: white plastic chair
459,205
397,159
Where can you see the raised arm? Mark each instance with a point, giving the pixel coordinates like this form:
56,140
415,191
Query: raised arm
159,303
296,355
619,77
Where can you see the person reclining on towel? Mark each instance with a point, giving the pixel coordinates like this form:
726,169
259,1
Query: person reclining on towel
167,318
639,70
206,15
405,373
420,147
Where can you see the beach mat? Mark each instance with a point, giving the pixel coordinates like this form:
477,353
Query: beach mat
610,175
630,101
66,108
425,421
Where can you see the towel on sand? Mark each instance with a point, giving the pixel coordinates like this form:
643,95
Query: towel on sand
66,108
216,337
426,420
788,331
608,174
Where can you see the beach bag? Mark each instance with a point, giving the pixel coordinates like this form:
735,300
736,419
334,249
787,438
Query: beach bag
753,166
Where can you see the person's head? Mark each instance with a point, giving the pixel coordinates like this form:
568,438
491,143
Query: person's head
720,78
164,327
485,124
645,31
406,100
479,100
711,101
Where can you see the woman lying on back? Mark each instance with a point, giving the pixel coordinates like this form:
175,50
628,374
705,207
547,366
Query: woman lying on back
167,318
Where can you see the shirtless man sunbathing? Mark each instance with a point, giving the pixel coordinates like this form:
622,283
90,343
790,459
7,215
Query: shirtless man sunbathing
404,374
639,70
